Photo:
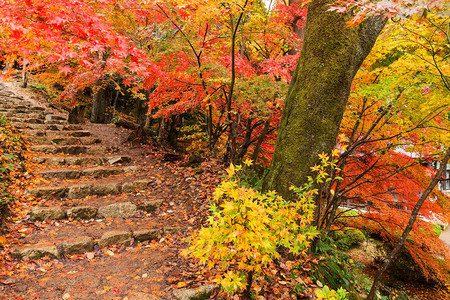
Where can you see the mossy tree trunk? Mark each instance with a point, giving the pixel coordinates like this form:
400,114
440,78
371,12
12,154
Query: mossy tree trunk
331,55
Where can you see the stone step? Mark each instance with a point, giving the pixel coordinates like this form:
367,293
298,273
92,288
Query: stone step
57,122
5,93
73,149
23,115
30,120
13,110
37,108
21,110
82,160
43,140
13,101
94,172
7,104
57,133
82,189
51,117
59,127
80,244
87,212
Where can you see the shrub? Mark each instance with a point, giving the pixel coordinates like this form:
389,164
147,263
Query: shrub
348,238
437,229
246,229
327,294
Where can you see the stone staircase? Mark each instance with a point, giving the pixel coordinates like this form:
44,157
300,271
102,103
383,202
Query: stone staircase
90,192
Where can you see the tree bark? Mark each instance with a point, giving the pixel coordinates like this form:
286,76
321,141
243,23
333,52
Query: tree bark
331,55
24,79
99,106
409,227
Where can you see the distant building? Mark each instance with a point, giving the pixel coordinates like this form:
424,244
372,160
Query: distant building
444,184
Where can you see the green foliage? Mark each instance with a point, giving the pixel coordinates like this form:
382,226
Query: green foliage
328,294
246,228
251,179
437,229
38,87
348,238
196,136
335,268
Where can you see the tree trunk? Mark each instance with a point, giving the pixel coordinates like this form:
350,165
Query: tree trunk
409,227
297,30
99,106
141,111
24,79
319,90
76,115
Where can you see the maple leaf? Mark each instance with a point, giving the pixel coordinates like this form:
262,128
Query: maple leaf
65,69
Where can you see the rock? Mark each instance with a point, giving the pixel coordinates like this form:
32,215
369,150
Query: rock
44,214
131,169
118,210
79,245
100,172
36,139
48,149
146,235
36,251
35,132
80,191
199,293
54,118
142,184
72,150
90,141
150,205
172,230
128,187
115,237
36,108
50,127
95,150
49,192
82,212
65,141
34,121
39,160
106,189
118,160
83,161
61,174
80,133
58,161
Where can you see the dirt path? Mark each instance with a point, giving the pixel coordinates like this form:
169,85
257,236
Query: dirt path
102,215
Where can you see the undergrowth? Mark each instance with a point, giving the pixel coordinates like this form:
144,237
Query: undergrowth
12,164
